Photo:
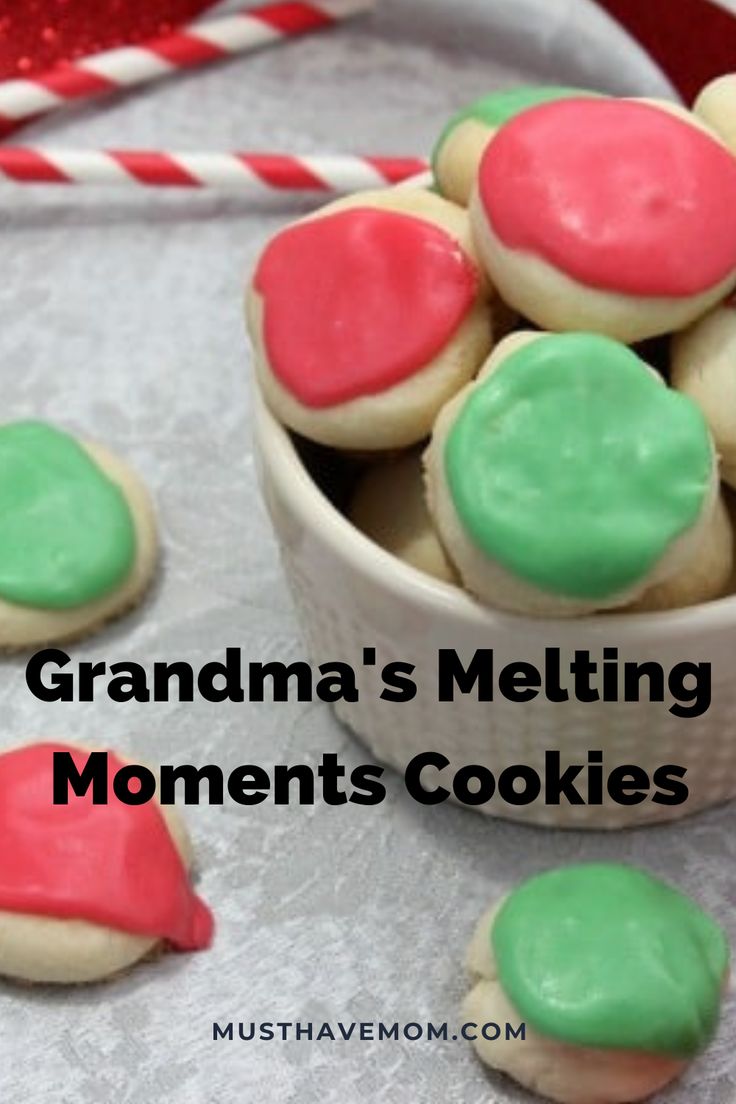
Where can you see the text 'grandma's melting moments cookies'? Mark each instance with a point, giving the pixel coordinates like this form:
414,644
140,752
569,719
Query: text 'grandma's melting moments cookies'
617,977
86,889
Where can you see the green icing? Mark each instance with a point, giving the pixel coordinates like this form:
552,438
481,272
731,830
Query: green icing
574,468
66,533
604,955
497,108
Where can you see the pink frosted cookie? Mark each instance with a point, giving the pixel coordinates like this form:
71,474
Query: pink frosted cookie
607,215
459,148
88,889
367,317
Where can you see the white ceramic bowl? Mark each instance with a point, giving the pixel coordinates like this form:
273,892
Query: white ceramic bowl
350,594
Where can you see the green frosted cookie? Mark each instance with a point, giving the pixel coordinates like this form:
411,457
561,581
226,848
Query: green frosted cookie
605,981
77,535
569,478
604,955
67,535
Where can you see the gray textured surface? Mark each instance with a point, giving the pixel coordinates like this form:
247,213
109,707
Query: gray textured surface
120,317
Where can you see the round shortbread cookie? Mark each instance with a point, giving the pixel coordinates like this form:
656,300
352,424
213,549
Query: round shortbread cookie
389,507
73,875
705,577
458,150
704,367
607,215
367,316
80,544
716,106
553,486
617,978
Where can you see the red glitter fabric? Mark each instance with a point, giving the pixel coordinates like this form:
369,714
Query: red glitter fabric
36,35
692,40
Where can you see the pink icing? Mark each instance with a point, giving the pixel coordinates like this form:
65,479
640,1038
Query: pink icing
114,864
358,301
619,195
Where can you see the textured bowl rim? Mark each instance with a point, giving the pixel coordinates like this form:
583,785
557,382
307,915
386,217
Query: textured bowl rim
317,514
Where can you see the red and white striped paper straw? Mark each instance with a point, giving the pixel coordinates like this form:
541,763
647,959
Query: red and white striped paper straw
248,172
192,45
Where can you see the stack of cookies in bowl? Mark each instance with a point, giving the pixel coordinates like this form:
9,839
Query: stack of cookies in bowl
493,412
